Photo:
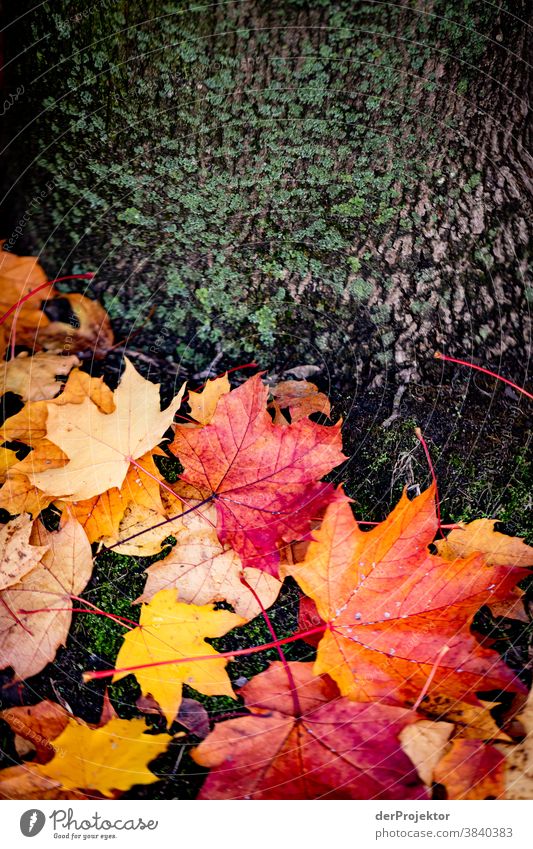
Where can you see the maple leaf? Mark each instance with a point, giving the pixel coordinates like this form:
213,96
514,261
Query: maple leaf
399,617
169,629
425,742
28,641
100,446
327,751
109,758
471,770
480,537
202,570
300,397
262,477
203,404
102,516
29,425
8,458
17,556
34,378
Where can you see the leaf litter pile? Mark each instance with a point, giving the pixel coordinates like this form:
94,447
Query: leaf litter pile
394,695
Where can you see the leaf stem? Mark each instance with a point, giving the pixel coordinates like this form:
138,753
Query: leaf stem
420,437
109,673
288,671
439,356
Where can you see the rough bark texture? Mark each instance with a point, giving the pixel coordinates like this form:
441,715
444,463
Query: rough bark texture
337,182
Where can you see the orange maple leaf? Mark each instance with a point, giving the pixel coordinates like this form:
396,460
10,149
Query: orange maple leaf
399,617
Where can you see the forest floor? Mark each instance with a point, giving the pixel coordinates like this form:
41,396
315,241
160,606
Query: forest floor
479,437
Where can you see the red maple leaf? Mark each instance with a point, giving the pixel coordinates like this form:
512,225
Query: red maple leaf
333,748
264,478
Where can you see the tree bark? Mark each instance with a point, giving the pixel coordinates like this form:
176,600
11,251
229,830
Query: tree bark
337,182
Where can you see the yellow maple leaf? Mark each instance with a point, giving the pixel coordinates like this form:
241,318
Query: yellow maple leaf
100,446
203,404
112,757
169,629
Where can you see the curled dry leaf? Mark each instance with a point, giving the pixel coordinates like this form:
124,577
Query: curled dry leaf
17,556
300,398
29,640
89,328
330,748
471,770
40,724
264,479
34,378
167,630
399,617
101,446
202,570
479,537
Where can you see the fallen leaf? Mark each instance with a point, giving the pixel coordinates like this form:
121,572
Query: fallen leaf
8,458
202,570
88,330
101,516
400,616
471,770
263,478
23,782
40,724
19,495
28,641
194,717
17,556
519,758
203,404
169,629
425,742
300,398
29,425
100,446
471,721
480,537
34,378
110,758
330,749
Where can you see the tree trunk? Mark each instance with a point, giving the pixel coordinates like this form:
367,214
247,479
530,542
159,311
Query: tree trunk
341,183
